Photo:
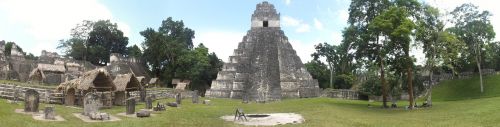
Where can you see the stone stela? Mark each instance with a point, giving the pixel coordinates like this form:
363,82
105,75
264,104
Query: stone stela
49,113
91,103
130,106
178,98
31,101
195,97
149,102
264,66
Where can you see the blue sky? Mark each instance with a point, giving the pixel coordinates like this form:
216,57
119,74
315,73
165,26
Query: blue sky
220,24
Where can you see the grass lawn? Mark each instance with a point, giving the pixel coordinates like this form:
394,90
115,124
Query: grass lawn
317,112
462,89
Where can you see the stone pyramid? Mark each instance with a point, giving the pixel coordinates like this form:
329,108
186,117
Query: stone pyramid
264,67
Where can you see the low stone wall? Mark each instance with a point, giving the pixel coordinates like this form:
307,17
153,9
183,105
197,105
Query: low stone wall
162,93
341,93
14,92
9,91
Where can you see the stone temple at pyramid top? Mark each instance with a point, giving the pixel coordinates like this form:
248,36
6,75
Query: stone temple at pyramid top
265,16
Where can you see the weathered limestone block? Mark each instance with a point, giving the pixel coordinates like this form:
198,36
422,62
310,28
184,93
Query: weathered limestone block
99,116
49,113
172,104
143,113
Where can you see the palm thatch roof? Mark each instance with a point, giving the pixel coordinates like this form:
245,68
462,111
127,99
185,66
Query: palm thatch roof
127,82
153,81
181,84
51,68
98,79
68,84
36,73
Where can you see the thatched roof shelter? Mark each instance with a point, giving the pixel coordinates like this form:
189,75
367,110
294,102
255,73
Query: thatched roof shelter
52,68
37,74
98,79
141,79
127,82
153,81
180,84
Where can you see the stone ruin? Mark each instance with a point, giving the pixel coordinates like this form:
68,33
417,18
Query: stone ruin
194,97
31,101
130,106
119,64
149,102
49,113
91,105
264,67
178,98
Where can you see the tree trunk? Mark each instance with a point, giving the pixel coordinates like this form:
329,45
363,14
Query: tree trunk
431,83
410,86
331,76
384,85
480,73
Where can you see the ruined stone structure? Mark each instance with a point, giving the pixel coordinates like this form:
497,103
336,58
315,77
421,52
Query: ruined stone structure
31,100
264,67
124,65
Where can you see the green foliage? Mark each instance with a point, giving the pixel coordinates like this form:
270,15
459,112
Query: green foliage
134,51
344,81
30,56
169,53
199,66
163,48
94,42
8,49
104,39
319,71
371,86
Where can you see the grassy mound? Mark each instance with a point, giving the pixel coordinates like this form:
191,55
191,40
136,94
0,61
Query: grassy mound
462,89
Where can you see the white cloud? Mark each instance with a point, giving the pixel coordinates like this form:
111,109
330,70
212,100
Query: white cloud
298,25
48,21
318,24
304,50
288,2
289,21
303,28
222,43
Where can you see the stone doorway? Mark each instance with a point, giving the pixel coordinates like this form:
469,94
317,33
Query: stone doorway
70,97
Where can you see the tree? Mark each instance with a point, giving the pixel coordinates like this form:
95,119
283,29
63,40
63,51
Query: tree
318,71
164,48
104,39
79,34
199,66
330,52
94,42
438,45
366,43
474,28
134,51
